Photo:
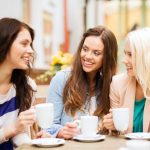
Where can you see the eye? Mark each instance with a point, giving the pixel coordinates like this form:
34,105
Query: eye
128,53
24,44
85,49
97,53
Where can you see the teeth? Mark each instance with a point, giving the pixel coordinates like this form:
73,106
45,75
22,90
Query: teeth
128,67
26,58
88,63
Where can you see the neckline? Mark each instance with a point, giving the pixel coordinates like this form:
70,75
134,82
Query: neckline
3,95
141,100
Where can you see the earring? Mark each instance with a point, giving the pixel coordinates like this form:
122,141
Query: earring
100,73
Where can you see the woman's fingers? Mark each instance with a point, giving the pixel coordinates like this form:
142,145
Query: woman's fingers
68,131
28,115
108,116
43,134
25,119
28,112
108,121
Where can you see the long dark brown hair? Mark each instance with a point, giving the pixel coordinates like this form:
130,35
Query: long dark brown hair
9,29
75,90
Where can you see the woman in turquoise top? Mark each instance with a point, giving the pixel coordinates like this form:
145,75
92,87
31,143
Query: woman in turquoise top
132,89
138,115
84,89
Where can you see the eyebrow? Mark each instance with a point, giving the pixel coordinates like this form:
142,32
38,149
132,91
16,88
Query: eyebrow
26,40
85,46
94,49
126,51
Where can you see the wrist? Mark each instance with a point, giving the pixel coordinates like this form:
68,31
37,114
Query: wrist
11,131
3,137
60,134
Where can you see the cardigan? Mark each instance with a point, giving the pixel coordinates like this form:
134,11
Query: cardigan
122,94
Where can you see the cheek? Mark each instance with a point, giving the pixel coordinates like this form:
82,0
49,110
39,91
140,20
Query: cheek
82,55
100,61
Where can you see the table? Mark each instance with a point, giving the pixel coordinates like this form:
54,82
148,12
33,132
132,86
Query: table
110,143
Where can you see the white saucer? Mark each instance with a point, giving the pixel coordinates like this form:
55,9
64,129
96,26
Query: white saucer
48,142
138,136
83,138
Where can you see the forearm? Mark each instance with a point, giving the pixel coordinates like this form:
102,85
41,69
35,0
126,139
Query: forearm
6,133
21,138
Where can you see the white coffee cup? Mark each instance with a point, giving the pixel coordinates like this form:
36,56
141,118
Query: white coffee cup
89,125
121,118
44,114
138,145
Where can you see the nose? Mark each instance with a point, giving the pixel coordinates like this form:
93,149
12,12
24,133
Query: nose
88,55
30,50
125,60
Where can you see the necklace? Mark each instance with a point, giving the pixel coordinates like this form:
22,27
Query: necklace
90,105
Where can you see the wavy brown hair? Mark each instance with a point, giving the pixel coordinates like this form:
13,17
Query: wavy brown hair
9,29
76,88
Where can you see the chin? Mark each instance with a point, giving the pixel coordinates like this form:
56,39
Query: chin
25,67
87,70
130,74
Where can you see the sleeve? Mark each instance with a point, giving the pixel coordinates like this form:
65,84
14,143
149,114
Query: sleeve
55,96
2,136
21,138
114,95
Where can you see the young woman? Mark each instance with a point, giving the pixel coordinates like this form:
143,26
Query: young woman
132,89
84,89
16,88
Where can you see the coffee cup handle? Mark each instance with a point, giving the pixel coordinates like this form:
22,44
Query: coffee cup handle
78,123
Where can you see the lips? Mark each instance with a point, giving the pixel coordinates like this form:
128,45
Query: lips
129,68
87,63
27,60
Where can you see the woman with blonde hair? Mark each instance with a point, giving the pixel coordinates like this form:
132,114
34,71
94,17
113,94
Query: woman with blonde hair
132,89
84,89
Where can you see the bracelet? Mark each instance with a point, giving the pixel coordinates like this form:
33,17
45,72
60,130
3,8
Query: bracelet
2,136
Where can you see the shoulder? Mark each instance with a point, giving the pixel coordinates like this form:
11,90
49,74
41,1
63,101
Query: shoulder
32,83
57,84
120,82
62,75
60,79
65,72
121,78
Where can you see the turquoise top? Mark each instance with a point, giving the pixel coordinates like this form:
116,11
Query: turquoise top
138,115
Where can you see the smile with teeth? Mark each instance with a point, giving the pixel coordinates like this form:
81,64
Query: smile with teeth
26,59
86,63
129,68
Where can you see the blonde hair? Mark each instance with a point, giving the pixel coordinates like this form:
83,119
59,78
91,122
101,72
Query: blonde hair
140,47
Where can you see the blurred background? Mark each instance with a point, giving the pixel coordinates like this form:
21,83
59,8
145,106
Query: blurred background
59,24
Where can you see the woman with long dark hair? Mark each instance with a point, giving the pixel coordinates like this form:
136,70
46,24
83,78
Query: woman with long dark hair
84,89
16,88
